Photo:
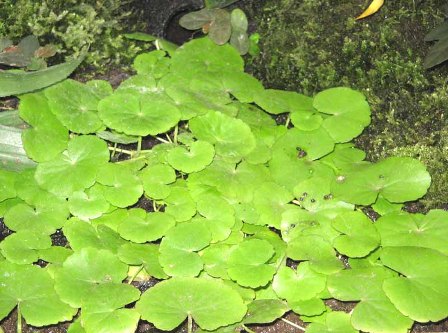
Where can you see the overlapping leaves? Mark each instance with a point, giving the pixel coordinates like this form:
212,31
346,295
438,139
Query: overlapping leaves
217,195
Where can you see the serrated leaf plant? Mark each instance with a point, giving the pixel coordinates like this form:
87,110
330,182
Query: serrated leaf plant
248,218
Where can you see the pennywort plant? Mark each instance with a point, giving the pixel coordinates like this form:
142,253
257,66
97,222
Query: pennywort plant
249,219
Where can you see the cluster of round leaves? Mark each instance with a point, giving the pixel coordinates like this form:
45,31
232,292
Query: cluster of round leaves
234,194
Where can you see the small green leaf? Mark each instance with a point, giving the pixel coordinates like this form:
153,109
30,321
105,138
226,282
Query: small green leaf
197,19
121,187
180,204
317,251
335,322
197,157
154,63
178,250
247,264
210,303
232,137
349,111
23,247
156,179
220,28
143,254
300,285
359,237
264,311
88,204
142,228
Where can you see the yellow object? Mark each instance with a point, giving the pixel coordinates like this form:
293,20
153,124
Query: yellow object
372,9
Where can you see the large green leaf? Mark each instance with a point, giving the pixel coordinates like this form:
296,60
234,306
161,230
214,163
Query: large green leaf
209,302
85,271
75,168
232,137
403,229
374,313
138,115
75,105
31,288
421,292
335,322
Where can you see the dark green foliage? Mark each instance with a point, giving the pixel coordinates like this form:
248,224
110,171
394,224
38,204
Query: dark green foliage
71,25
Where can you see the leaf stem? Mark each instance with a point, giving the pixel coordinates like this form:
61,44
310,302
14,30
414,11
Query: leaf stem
288,120
247,329
161,140
135,275
19,319
190,323
168,138
139,146
176,132
293,324
123,151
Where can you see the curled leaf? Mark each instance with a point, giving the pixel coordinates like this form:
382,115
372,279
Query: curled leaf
374,6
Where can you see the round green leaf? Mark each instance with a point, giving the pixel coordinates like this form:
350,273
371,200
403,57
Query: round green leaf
122,188
32,289
397,179
202,54
317,251
349,111
155,179
247,264
241,85
138,115
178,250
85,270
421,291
239,20
197,19
147,228
264,311
74,169
220,28
45,220
75,105
403,229
180,204
280,101
82,235
359,237
143,254
335,322
47,137
89,204
306,121
23,247
299,285
209,302
232,137
199,155
154,63
374,312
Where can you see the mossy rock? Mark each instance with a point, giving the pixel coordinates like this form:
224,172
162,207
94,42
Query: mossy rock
311,45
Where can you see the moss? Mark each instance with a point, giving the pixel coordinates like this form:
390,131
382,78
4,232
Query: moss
73,25
311,45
